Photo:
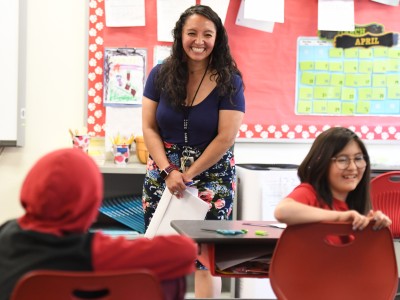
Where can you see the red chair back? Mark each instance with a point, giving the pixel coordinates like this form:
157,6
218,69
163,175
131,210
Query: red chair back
310,264
66,285
385,196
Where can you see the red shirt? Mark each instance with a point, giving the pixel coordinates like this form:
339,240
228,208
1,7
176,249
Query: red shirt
306,194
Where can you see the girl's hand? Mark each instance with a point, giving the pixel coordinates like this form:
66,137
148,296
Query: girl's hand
358,220
381,220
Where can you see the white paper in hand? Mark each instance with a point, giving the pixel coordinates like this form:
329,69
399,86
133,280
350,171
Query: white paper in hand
189,207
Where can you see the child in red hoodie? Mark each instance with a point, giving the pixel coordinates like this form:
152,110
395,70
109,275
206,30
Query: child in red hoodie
61,196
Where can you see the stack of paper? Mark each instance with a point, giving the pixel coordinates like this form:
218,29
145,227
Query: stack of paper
189,207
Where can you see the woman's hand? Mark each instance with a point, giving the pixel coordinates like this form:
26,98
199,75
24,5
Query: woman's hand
175,183
381,220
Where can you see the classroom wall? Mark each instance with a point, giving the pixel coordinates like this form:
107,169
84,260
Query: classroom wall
56,55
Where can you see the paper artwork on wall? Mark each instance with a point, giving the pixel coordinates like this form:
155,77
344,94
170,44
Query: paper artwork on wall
161,53
168,12
220,7
265,10
124,75
266,26
124,13
328,10
388,2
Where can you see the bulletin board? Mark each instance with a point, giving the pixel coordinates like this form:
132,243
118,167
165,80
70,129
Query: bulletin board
270,66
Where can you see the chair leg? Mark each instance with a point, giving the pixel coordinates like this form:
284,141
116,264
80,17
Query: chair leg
174,289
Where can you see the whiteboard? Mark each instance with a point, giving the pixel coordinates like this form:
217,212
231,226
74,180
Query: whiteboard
9,57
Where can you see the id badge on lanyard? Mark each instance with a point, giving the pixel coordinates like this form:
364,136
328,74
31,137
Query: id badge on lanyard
187,159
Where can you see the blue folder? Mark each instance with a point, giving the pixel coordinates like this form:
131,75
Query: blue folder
126,210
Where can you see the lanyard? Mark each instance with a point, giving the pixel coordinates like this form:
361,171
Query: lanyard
187,110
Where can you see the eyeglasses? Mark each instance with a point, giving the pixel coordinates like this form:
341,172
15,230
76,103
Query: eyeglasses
343,162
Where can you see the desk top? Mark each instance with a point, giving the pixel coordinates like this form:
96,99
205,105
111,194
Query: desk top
193,229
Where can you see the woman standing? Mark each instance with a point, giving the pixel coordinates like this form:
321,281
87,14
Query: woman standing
193,106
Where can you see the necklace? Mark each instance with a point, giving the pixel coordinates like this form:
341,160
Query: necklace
198,87
187,109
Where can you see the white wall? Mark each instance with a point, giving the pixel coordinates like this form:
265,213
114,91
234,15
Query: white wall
55,90
55,96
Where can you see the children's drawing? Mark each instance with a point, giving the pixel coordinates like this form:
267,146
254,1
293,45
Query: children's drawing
124,75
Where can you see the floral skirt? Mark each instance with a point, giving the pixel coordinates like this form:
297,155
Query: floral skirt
216,185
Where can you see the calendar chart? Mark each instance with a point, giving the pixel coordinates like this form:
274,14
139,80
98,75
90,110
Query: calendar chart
350,81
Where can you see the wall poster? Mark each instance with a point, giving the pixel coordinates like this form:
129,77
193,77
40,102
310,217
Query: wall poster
124,75
297,83
360,77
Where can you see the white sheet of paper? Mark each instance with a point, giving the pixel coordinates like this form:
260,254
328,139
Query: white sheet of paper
161,53
124,13
328,12
190,207
168,12
388,2
265,10
219,6
254,24
279,225
276,185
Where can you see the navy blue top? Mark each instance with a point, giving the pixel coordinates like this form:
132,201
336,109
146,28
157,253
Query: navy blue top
203,117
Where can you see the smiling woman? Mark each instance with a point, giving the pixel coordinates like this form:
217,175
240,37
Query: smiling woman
199,81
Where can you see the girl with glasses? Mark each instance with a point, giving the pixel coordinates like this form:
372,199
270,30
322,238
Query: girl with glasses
335,179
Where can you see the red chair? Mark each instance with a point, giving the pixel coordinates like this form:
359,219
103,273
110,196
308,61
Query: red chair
66,285
385,196
309,263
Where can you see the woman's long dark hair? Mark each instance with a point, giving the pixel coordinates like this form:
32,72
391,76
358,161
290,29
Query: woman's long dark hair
173,75
315,168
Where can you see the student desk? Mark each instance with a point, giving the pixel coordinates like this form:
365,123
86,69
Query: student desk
222,250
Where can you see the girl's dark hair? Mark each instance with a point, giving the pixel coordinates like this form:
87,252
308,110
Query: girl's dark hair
315,168
173,75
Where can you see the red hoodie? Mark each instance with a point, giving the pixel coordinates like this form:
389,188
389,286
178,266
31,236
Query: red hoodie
61,196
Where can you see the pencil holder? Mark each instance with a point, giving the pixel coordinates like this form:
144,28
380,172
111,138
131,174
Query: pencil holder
121,154
81,142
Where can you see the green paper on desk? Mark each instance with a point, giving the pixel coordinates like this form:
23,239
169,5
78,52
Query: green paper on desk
260,232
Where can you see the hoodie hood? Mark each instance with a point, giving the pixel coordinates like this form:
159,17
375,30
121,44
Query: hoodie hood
61,193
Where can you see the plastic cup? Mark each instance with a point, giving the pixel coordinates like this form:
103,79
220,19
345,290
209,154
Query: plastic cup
81,142
121,154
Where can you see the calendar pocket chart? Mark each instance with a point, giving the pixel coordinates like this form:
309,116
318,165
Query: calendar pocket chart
347,81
